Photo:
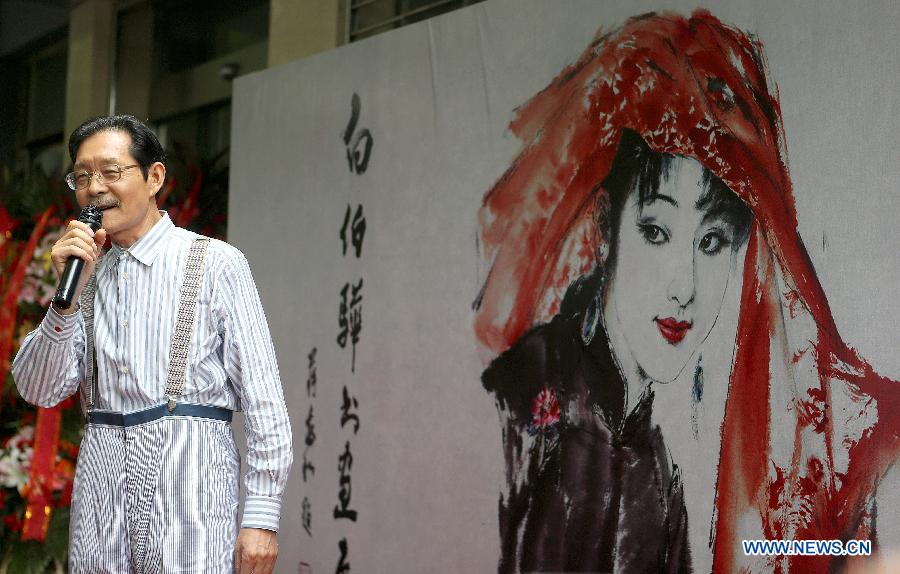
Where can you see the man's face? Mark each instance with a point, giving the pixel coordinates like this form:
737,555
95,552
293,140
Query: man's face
129,208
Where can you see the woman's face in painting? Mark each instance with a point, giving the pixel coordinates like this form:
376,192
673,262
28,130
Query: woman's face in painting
675,252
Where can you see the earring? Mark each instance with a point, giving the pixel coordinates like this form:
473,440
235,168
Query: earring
697,396
603,251
589,323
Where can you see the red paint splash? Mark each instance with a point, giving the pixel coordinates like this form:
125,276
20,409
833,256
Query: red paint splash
697,87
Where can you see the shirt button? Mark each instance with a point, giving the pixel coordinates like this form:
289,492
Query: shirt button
123,370
125,323
124,276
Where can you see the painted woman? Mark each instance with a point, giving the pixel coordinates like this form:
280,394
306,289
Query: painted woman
653,175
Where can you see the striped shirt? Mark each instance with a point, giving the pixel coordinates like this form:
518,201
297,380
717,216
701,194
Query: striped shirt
231,364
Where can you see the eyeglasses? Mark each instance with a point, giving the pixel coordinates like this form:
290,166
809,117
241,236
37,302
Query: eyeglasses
108,174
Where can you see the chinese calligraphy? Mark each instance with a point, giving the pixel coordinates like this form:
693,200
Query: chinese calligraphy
343,567
358,143
346,416
350,318
357,160
345,464
308,468
357,228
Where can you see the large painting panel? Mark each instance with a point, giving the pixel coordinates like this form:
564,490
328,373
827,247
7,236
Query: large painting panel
581,287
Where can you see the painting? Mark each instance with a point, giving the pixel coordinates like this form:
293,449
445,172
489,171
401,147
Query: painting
653,175
582,286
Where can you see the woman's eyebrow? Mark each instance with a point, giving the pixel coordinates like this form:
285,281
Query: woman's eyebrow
653,197
706,200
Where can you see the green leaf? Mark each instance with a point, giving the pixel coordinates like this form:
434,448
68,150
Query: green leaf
57,542
34,557
27,558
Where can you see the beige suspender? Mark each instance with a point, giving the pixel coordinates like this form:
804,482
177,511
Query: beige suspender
89,387
184,324
181,337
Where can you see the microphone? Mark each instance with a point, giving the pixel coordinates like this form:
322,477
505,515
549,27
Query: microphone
93,217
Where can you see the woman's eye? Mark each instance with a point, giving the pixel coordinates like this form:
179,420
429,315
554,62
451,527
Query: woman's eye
653,234
712,243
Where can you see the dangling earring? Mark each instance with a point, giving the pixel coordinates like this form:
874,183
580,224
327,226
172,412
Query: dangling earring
697,396
590,321
603,251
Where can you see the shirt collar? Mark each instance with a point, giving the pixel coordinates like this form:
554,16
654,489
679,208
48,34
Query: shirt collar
148,246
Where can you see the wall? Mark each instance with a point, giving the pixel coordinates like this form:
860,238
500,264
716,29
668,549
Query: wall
437,98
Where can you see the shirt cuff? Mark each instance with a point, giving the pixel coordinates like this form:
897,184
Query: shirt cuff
261,512
59,328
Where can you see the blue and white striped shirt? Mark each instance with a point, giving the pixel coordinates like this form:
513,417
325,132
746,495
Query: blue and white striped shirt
231,364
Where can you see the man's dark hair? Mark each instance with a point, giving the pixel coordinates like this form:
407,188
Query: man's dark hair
145,146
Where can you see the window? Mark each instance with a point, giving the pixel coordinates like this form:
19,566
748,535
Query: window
370,17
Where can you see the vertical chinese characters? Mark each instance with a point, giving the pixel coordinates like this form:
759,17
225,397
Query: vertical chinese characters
308,468
358,144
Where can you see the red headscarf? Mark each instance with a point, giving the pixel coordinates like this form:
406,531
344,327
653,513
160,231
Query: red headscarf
698,88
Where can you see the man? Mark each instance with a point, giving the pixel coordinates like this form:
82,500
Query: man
164,351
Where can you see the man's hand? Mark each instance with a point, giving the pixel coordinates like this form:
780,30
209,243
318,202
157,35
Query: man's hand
80,241
255,551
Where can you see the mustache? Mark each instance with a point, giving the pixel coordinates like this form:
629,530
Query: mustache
105,203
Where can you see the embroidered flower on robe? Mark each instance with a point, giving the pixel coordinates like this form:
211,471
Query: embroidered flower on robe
544,412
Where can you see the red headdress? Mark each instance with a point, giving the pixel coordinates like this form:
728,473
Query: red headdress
698,88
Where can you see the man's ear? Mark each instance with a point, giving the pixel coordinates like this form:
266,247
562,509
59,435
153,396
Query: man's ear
156,176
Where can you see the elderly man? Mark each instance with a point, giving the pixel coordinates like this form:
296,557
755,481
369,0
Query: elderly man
167,338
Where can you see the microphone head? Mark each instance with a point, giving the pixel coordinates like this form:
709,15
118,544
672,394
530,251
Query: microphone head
92,216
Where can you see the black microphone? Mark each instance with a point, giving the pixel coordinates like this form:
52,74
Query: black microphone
92,216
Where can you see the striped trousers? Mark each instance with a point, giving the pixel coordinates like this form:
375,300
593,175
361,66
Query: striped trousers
160,497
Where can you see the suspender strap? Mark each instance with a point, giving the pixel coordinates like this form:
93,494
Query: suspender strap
181,338
184,323
89,386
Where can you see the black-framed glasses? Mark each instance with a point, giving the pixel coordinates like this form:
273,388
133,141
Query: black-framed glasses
78,180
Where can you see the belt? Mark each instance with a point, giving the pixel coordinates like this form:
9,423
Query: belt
152,414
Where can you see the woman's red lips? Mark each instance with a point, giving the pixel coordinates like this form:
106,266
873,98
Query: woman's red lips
672,329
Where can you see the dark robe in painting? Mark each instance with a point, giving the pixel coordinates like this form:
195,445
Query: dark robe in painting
591,491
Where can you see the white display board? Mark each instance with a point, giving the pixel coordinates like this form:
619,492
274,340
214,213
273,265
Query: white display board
434,101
